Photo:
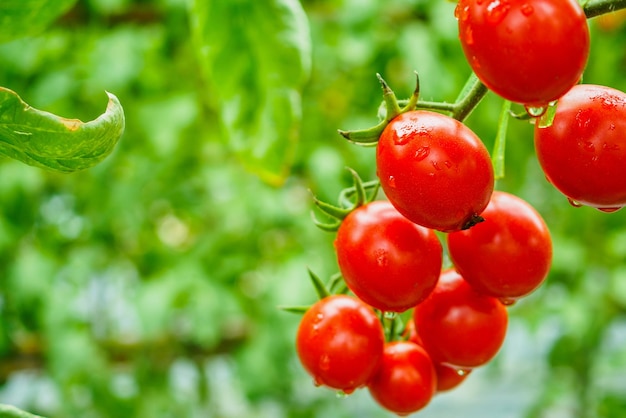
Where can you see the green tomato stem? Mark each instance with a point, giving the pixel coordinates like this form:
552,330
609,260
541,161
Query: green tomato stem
600,7
497,156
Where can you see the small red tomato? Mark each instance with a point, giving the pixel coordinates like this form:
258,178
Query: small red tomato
458,326
405,382
583,152
434,170
388,261
509,254
340,342
527,51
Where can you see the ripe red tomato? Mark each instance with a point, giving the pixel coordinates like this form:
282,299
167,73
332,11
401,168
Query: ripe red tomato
458,326
527,51
405,382
434,170
583,152
507,256
340,342
388,261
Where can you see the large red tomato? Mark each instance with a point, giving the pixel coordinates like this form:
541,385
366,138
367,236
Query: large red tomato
509,254
434,170
388,261
340,342
406,381
583,152
458,326
527,51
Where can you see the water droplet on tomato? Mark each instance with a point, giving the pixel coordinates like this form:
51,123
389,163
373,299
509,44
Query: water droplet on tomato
574,203
612,127
536,111
381,257
497,10
401,139
462,372
317,382
527,9
508,301
469,36
461,14
342,394
448,164
475,62
609,210
422,152
324,363
436,165
391,181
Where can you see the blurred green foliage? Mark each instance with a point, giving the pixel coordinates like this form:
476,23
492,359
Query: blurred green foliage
148,286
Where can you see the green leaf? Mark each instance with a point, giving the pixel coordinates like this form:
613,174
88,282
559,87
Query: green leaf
20,18
45,140
256,57
8,411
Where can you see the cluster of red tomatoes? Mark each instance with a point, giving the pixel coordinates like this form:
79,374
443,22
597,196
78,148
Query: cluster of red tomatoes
445,254
459,318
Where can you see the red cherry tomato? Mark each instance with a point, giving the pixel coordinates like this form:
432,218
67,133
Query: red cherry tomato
458,326
509,254
583,152
340,342
405,381
527,51
434,170
388,261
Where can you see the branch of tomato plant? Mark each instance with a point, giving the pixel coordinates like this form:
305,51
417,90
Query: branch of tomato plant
600,7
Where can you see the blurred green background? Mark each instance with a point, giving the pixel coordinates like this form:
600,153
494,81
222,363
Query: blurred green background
148,286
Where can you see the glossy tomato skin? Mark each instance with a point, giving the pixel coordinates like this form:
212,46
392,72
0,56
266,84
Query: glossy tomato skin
583,152
340,342
406,381
527,51
434,170
388,261
460,327
509,254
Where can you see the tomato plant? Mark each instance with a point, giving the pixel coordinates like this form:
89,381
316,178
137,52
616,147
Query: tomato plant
340,342
434,170
527,51
459,326
509,254
406,381
583,152
388,261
